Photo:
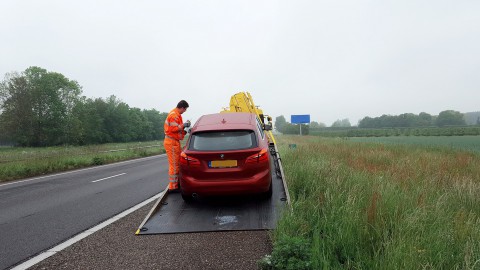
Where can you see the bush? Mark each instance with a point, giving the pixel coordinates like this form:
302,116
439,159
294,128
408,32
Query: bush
97,161
292,253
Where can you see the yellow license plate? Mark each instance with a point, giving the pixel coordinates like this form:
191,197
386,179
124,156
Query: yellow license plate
223,163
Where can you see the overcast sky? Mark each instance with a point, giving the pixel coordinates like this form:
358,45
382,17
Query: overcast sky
330,59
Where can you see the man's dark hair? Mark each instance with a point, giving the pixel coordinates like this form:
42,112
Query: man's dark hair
182,104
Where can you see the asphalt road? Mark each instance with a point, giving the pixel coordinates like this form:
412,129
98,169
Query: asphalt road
38,213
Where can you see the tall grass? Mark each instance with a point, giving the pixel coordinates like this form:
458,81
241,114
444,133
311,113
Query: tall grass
371,206
12,154
468,143
16,163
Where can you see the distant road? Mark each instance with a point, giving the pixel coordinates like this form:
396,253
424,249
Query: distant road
38,213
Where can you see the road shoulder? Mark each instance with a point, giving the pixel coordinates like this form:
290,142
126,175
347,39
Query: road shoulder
117,247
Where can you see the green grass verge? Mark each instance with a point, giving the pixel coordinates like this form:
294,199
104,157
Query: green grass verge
469,143
375,206
17,163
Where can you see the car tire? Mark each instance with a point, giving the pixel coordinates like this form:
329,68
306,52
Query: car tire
187,198
267,195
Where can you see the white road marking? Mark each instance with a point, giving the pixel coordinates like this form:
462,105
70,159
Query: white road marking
42,256
86,169
107,177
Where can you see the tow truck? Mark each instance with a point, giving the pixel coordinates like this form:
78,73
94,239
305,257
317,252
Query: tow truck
170,214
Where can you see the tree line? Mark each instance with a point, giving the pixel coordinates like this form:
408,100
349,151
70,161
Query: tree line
42,108
445,118
450,123
387,132
472,118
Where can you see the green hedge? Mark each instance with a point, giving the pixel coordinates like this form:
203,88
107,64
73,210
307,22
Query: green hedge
387,132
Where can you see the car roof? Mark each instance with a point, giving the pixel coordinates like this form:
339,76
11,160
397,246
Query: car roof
225,121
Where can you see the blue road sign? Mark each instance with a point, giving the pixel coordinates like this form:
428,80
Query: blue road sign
301,119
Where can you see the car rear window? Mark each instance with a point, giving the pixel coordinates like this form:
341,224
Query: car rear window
223,140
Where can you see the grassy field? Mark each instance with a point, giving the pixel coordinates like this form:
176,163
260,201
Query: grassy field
377,206
18,162
469,143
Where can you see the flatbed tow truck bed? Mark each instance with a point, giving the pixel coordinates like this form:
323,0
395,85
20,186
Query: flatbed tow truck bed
171,214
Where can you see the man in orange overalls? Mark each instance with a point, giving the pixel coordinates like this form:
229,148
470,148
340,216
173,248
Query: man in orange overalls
174,133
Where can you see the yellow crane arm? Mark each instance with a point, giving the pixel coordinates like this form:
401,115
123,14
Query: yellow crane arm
243,102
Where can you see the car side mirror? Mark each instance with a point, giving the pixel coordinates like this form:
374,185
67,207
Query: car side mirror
267,127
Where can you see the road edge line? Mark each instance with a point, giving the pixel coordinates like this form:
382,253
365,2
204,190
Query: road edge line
52,251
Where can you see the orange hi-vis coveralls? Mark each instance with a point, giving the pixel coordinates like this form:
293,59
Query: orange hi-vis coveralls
173,135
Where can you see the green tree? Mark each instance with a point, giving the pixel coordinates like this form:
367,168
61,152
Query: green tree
111,120
16,106
139,126
295,129
337,123
314,124
41,108
367,122
92,115
156,120
117,120
346,123
450,118
471,117
37,106
342,123
52,98
280,123
424,119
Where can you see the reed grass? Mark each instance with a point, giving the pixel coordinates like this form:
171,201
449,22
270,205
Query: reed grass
375,206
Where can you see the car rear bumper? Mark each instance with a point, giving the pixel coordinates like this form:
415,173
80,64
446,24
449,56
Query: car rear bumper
259,183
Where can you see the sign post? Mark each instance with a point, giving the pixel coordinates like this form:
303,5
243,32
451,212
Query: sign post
300,119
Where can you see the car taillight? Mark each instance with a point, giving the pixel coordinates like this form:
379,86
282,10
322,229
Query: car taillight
184,159
261,156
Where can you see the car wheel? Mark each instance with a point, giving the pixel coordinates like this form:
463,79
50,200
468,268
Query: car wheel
268,194
187,198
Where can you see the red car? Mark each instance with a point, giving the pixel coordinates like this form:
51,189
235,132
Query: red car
226,154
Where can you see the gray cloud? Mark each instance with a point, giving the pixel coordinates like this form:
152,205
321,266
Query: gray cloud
331,59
